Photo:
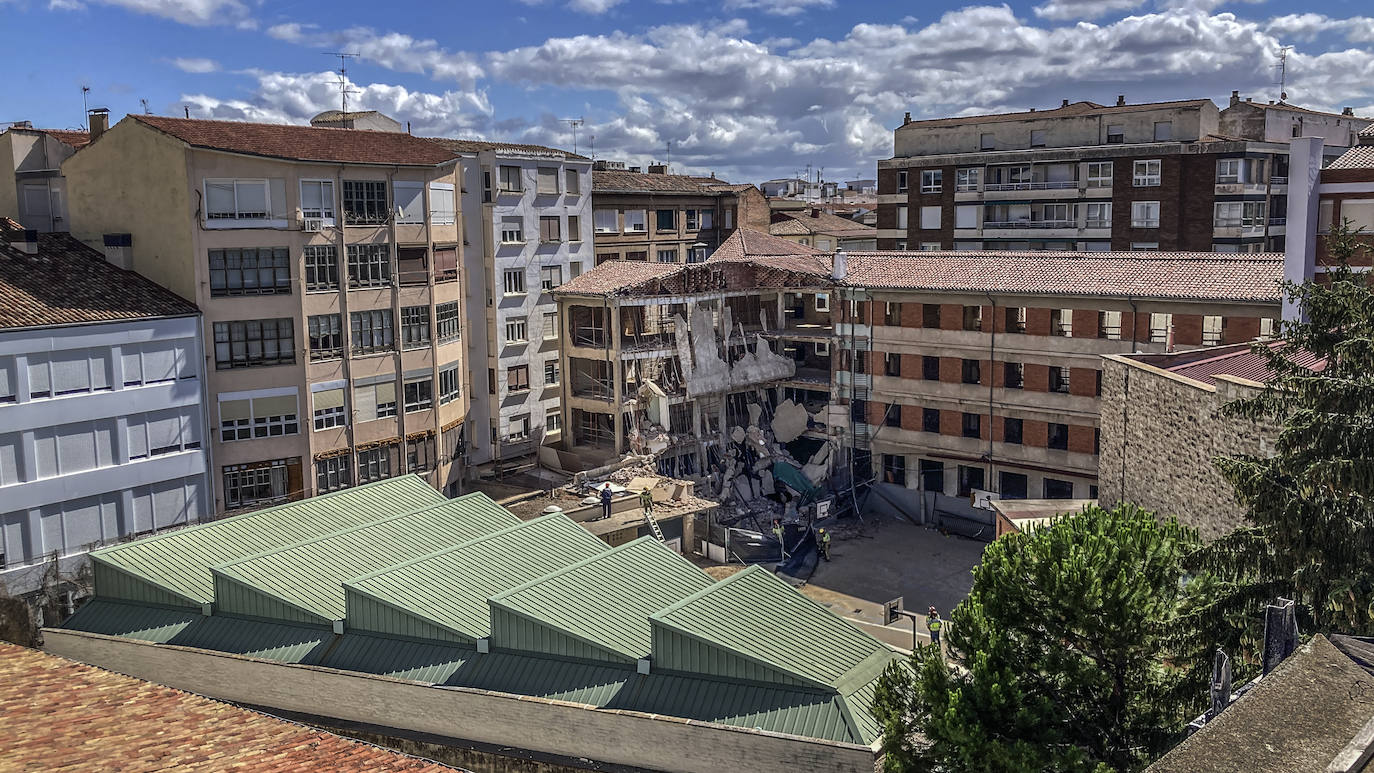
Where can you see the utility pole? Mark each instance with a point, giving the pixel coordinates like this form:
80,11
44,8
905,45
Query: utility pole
344,90
146,109
85,108
1282,67
574,123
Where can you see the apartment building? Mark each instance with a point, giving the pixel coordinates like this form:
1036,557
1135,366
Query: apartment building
1324,195
527,214
1089,177
32,159
668,218
326,263
1281,122
814,226
102,422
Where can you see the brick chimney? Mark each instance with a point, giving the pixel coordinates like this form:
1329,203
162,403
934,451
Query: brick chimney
1120,100
1235,98
1350,111
1065,103
658,169
100,121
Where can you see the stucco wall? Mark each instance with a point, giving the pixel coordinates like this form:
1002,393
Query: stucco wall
620,737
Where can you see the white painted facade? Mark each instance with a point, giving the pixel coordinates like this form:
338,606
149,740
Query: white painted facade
509,281
102,436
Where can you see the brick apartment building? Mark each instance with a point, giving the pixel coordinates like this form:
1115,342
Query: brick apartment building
326,263
1168,176
658,217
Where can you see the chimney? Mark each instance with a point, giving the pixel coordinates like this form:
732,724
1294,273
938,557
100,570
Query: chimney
1235,97
1120,100
1065,103
22,125
837,268
1249,99
119,251
25,241
1280,634
100,121
658,169
1350,111
907,119
815,211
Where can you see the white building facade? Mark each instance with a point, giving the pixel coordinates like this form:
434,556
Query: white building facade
527,229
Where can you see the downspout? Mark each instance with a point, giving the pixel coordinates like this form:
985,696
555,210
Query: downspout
394,260
992,380
345,326
1135,325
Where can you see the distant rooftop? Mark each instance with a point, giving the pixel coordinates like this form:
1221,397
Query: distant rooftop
1239,360
1071,110
614,181
516,148
1358,157
73,137
816,220
301,143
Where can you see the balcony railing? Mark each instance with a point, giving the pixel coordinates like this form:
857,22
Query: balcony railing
1098,224
1032,186
1278,180
1030,224
1278,221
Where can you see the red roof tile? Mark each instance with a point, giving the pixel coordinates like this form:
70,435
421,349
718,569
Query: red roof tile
610,181
616,274
1237,360
302,143
474,146
1358,157
746,244
63,715
822,222
69,283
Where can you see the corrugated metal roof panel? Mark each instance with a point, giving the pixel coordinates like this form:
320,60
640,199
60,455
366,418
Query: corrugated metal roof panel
180,561
309,575
131,621
606,601
450,588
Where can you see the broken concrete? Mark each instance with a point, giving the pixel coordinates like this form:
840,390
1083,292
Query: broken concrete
790,420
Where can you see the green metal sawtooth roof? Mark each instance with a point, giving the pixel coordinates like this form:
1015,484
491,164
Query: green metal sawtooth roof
606,600
179,562
309,575
450,588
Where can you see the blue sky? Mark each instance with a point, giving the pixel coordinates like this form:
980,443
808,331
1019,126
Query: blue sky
749,89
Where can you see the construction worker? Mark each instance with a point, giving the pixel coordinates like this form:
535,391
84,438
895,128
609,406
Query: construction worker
646,501
933,624
777,534
823,538
606,500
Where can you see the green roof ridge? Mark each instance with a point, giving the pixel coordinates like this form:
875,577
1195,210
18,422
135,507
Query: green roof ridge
718,584
436,553
570,567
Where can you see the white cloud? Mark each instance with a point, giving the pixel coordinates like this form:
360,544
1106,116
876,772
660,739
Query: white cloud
393,50
777,7
1068,10
594,7
193,12
195,65
1306,27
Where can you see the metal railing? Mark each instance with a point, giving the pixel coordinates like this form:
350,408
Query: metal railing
1274,180
1278,221
1030,224
1032,186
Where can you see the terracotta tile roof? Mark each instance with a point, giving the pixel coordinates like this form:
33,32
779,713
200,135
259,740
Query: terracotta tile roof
339,115
68,283
616,274
821,222
1074,109
1235,360
638,182
301,143
76,139
60,714
474,146
1367,133
746,244
1358,157
788,226
1163,275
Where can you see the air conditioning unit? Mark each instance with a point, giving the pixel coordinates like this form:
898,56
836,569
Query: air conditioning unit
313,225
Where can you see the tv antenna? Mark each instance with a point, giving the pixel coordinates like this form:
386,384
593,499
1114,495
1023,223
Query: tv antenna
344,90
574,123
1282,67
85,108
146,110
668,162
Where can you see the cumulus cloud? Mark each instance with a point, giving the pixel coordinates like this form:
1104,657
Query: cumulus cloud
778,7
193,12
393,50
594,7
195,65
1068,10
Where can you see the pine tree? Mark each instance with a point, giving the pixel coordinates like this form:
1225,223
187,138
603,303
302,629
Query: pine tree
1065,648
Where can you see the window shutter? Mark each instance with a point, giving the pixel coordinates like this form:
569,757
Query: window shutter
219,198
169,504
365,402
311,199
548,180
6,380
100,370
410,202
138,437
70,373
446,261
76,449
386,392
164,429
251,198
278,198
159,364
233,410
190,430
274,406
329,398
441,204
38,377
9,458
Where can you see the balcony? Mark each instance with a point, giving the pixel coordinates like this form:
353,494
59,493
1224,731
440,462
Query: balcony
1032,186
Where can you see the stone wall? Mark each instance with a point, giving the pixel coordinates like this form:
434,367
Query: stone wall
1160,435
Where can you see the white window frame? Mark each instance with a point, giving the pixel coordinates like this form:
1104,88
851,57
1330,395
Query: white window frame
552,374
1141,214
903,217
1095,176
550,277
517,330
412,188
1146,173
329,418
513,281
1104,214
553,421
929,247
1228,171
249,429
969,179
454,373
1144,246
822,301
931,217
512,230
902,177
236,220
600,218
932,180
515,421
642,218
438,216
326,213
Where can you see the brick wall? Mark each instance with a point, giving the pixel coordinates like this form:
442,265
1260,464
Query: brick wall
1240,329
1195,204
1037,321
1187,330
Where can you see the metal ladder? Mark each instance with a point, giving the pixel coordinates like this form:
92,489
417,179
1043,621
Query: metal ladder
653,527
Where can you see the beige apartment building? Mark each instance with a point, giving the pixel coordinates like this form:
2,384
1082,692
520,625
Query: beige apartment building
32,190
326,263
658,217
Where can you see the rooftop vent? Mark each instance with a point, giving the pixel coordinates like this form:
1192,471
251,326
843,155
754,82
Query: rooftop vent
1348,111
658,169
1065,103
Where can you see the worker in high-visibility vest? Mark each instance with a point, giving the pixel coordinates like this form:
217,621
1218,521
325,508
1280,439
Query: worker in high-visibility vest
933,624
646,501
824,538
777,534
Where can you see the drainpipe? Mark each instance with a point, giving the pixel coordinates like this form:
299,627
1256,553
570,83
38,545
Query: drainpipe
395,266
992,379
1135,323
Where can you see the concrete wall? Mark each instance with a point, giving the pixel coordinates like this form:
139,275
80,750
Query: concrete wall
1160,435
620,737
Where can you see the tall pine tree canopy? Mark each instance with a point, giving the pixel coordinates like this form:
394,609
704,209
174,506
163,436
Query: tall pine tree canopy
1065,649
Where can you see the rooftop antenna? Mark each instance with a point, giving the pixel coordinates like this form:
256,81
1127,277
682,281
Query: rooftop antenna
668,162
1282,67
574,123
344,90
593,137
85,108
146,109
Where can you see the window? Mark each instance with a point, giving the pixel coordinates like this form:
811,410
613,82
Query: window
414,327
637,255
1058,489
254,343
446,321
374,398
1109,325
1145,173
1014,375
547,181
972,425
1037,138
550,277
486,186
966,216
665,220
1145,214
321,267
1247,214
932,180
1059,436
971,371
892,314
930,218
572,183
932,475
970,478
930,315
606,257
512,230
419,395
902,219
326,337
550,229
1061,322
930,368
1099,215
333,474
930,420
442,206
986,142
604,221
550,325
635,221
510,179
1011,430
1212,327
929,246
450,383
246,485
892,364
369,265
372,331
519,428
364,202
243,415
513,280
1097,386
550,373
1099,174
1012,485
668,256
1144,246
1016,319
553,421
518,378
1116,134
822,302
1228,170
265,271
317,199
1267,328
375,463
329,408
420,453
901,181
517,330
693,219
973,318
236,200
574,228
967,179
1164,131
1059,380
410,201
894,469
